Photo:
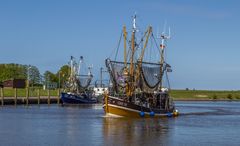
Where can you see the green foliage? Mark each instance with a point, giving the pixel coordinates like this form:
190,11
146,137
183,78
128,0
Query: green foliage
33,92
63,74
10,71
34,75
237,96
204,94
18,71
214,96
229,96
50,77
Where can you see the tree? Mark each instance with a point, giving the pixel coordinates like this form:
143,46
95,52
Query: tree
34,75
63,74
49,77
12,71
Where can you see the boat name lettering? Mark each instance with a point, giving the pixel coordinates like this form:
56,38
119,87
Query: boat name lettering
121,103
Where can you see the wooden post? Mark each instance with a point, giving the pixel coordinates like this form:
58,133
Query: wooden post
27,95
2,95
48,96
58,98
38,96
15,95
105,95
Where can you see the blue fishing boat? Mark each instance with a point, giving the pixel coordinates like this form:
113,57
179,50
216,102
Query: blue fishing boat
77,99
76,89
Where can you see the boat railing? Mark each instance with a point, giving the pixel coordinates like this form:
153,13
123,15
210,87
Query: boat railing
121,95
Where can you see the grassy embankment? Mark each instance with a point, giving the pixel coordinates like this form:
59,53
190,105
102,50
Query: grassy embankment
9,92
204,95
176,94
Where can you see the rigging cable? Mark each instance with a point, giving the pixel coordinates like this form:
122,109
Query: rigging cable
118,46
168,81
156,44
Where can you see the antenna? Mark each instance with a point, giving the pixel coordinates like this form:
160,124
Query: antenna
164,37
134,23
164,27
158,36
169,33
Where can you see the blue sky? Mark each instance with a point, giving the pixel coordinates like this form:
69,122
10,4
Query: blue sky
204,49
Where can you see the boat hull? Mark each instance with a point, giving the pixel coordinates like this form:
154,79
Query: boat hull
120,108
68,98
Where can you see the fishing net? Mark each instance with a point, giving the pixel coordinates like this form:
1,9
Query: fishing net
150,74
148,81
84,80
117,73
150,77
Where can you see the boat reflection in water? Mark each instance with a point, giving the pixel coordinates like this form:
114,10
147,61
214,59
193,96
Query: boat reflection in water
128,131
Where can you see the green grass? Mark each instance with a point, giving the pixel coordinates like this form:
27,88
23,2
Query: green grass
204,95
9,92
176,94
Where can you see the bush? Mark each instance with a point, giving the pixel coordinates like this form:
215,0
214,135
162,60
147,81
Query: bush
214,96
229,96
237,97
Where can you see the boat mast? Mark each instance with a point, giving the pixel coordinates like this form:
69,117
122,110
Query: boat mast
162,46
148,32
125,46
131,73
79,65
71,67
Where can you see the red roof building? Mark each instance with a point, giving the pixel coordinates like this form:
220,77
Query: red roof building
15,83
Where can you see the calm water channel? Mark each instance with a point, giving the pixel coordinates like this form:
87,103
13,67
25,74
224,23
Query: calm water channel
201,123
